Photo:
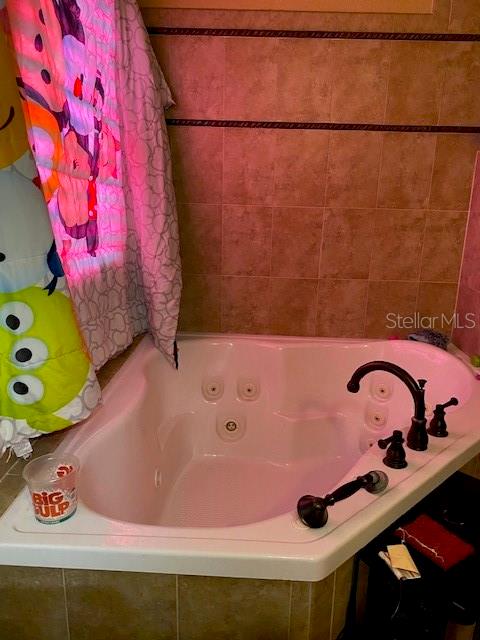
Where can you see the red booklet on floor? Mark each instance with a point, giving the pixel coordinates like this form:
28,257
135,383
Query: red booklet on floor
434,541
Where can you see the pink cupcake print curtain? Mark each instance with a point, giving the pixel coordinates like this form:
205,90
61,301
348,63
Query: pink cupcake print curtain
94,100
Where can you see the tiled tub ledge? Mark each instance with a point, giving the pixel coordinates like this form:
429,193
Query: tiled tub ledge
57,604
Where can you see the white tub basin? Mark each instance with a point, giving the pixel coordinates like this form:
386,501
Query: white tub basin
198,471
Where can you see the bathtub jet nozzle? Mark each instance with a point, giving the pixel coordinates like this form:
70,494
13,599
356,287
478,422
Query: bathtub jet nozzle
312,510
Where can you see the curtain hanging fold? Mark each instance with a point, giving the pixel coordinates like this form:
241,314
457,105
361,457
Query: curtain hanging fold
94,100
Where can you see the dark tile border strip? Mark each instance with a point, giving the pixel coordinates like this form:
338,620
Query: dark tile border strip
337,35
329,126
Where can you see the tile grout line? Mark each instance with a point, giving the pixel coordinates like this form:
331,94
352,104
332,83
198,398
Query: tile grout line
426,209
8,472
67,621
442,95
390,56
222,211
424,237
177,607
380,165
431,176
221,304
450,14
290,611
319,278
272,217
316,206
365,315
324,209
380,160
333,603
309,613
330,58
310,279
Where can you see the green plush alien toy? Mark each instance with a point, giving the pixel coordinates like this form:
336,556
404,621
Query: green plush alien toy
44,366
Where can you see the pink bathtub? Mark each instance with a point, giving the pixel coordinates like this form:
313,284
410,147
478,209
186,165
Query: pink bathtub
199,470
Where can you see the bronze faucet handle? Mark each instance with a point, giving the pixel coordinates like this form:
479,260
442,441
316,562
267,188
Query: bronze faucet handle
451,403
438,426
395,457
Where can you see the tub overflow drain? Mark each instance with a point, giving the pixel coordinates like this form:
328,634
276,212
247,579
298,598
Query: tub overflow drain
231,425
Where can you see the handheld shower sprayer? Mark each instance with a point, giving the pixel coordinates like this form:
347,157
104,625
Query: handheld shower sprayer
313,510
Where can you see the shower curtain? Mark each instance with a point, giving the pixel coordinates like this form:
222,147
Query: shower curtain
46,379
94,101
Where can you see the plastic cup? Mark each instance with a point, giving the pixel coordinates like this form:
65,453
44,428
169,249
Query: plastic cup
52,481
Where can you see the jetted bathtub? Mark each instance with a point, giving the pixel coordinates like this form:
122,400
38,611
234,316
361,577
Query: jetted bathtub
198,471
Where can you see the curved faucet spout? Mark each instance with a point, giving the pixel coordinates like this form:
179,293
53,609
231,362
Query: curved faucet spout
416,389
417,437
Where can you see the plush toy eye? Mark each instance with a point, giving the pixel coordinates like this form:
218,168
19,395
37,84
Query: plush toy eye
3,257
25,389
16,317
29,353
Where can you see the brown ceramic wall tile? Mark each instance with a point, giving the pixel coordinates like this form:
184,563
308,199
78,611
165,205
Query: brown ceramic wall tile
296,242
465,16
238,609
32,604
121,605
304,80
200,228
247,240
461,98
453,171
406,170
398,250
443,246
243,304
415,82
437,22
341,308
321,609
360,77
347,243
389,298
249,158
300,595
343,582
250,78
300,168
437,301
353,166
293,306
194,70
197,154
200,303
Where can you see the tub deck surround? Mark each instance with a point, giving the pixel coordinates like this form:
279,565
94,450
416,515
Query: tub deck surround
166,487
